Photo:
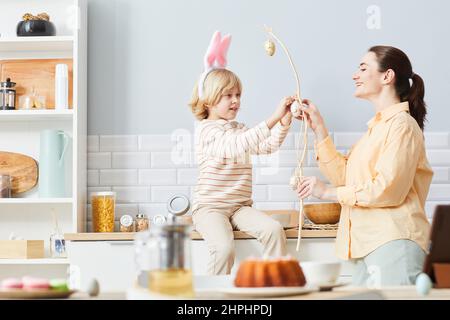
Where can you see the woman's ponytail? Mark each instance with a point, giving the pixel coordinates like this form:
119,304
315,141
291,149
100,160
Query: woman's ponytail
417,106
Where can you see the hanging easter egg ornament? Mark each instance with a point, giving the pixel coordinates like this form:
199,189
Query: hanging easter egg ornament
296,112
270,47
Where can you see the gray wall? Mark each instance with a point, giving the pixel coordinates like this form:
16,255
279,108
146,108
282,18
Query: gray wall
145,56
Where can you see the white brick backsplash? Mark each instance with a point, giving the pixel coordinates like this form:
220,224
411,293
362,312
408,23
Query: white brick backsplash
155,142
289,142
132,194
440,175
259,193
439,192
283,175
99,160
153,209
93,144
118,177
146,170
163,194
158,177
436,140
439,157
118,143
274,205
187,176
131,160
273,175
172,160
346,139
311,138
281,193
281,158
92,178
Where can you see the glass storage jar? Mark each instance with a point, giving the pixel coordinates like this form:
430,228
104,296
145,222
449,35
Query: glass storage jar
142,222
103,211
126,223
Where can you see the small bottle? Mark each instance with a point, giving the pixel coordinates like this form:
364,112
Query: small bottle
141,222
57,242
57,245
61,87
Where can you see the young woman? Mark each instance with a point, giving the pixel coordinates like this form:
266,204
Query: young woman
383,182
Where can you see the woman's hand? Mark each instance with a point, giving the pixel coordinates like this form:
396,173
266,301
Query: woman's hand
314,118
311,186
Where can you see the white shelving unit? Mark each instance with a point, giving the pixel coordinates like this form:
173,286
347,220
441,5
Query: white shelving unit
30,216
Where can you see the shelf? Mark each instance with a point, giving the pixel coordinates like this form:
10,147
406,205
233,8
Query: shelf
53,43
35,115
36,201
34,261
124,236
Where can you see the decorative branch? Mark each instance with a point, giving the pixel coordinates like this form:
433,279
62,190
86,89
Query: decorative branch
296,179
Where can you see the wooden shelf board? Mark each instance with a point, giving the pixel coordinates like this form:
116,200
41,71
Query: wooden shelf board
123,236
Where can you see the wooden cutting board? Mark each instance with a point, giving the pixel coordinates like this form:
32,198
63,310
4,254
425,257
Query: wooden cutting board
38,74
22,169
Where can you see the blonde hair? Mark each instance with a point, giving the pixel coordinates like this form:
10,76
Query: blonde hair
217,83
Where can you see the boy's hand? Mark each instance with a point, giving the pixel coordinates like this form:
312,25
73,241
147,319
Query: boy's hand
282,109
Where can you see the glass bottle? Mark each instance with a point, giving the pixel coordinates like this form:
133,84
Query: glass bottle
57,242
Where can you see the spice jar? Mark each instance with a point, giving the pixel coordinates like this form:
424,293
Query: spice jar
103,211
5,186
126,223
141,222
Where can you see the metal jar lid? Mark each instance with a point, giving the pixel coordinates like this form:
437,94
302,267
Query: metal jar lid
141,216
178,205
126,220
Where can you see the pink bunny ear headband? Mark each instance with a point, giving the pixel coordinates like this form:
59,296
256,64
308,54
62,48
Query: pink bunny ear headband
215,57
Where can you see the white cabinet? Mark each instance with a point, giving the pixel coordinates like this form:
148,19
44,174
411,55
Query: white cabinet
112,262
30,216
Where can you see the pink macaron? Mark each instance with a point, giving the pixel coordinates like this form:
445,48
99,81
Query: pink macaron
12,283
35,283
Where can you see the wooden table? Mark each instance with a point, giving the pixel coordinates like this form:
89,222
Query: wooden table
343,293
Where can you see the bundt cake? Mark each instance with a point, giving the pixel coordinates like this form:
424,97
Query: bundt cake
281,272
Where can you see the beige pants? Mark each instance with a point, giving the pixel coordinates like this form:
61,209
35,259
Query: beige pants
216,227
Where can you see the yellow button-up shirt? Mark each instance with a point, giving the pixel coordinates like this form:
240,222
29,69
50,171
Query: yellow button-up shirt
382,184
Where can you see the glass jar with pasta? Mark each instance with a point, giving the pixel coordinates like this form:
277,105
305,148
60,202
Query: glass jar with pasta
103,211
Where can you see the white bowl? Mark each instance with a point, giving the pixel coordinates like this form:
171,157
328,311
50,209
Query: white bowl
321,273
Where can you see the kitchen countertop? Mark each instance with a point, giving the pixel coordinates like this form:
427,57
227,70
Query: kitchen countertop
124,236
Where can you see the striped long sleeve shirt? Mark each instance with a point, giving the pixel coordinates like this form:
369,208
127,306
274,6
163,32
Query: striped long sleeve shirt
223,150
